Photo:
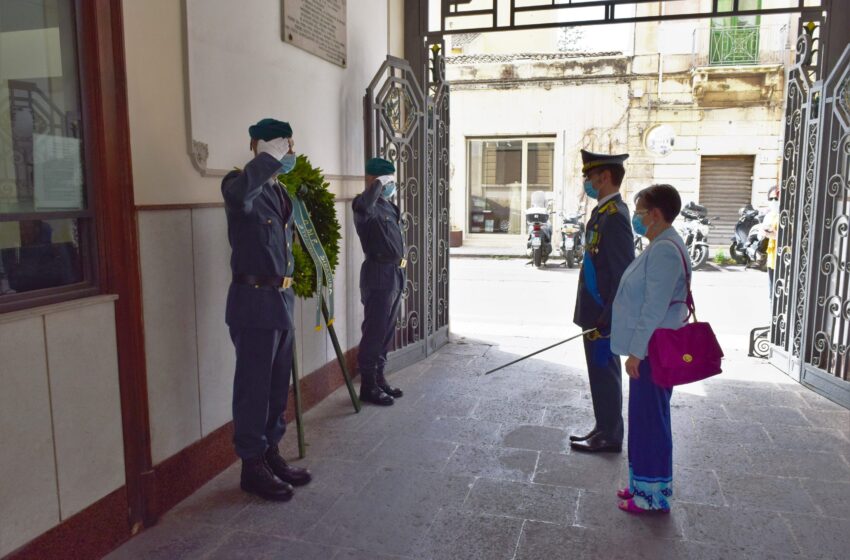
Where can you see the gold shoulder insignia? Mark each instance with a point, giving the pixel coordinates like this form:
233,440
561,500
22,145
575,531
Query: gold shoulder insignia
610,207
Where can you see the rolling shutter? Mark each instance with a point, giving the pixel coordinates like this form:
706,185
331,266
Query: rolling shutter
726,184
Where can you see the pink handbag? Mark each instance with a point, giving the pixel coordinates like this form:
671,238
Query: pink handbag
687,354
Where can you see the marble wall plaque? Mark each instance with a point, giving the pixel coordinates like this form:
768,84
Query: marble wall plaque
318,27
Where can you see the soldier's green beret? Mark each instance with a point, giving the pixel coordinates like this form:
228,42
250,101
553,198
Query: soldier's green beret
379,166
269,129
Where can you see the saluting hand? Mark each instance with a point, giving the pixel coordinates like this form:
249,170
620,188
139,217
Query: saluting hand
632,367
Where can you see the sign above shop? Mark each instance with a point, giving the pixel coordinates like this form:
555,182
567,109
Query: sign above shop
318,27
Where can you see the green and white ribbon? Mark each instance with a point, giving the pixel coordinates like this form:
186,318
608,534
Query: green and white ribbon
324,272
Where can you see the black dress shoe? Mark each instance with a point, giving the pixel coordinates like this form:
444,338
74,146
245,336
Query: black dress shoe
586,436
597,444
374,395
394,392
258,479
296,476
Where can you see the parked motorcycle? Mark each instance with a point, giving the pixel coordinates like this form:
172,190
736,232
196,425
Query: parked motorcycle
694,228
539,230
749,244
572,238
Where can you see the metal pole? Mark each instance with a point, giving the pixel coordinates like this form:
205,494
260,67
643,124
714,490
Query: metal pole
296,391
340,358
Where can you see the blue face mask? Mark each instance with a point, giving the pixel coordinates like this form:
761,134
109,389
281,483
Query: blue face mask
389,190
589,190
637,225
288,162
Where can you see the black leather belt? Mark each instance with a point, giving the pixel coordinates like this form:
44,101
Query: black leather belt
279,282
401,263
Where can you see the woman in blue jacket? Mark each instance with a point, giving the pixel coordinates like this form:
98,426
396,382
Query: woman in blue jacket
651,296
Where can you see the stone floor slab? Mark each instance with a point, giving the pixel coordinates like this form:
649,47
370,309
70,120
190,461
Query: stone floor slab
456,534
391,513
242,545
821,537
411,452
803,464
509,411
580,470
171,540
538,502
537,438
770,493
754,532
696,486
831,498
768,415
809,439
493,462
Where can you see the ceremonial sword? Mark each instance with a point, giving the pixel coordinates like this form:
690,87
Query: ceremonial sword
588,331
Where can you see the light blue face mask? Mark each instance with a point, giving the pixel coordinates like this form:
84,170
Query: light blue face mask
637,225
589,190
389,190
288,162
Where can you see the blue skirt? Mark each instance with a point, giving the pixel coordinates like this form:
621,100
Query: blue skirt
650,442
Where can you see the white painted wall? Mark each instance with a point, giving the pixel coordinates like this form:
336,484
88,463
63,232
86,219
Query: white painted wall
60,415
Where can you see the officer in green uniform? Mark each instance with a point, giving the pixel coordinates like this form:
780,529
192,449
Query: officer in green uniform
609,249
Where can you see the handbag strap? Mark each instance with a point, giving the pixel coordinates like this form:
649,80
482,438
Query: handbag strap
689,299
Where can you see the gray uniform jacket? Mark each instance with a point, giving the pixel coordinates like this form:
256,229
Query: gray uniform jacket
378,224
259,228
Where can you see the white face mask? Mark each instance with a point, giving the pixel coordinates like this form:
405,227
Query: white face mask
773,205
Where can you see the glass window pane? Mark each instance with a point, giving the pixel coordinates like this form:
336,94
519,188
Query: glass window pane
495,188
41,159
541,169
38,254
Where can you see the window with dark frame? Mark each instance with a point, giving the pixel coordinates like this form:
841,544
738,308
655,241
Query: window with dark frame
46,219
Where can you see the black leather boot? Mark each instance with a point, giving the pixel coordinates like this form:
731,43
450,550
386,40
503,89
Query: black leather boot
370,392
394,392
296,476
258,479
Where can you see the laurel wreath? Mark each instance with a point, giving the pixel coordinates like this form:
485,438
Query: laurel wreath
308,183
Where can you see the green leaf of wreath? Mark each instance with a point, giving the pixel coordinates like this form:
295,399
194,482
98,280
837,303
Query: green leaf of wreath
308,183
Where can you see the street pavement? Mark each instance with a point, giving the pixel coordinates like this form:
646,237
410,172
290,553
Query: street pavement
468,466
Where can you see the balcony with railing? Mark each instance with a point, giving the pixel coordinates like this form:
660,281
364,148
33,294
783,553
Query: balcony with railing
747,45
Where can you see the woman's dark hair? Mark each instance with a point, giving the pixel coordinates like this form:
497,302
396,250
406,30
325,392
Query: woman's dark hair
664,197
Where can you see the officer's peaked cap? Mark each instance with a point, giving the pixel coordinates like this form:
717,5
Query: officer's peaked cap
590,160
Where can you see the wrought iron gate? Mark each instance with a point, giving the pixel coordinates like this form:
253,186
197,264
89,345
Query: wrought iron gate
811,308
409,125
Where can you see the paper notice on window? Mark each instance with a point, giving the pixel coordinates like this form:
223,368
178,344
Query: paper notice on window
57,173
318,27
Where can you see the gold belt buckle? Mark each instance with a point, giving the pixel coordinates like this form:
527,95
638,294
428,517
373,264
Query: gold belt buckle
403,263
286,283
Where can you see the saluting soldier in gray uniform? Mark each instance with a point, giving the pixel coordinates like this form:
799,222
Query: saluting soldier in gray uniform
260,302
609,249
382,277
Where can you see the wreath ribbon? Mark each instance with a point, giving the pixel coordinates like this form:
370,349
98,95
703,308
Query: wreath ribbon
324,272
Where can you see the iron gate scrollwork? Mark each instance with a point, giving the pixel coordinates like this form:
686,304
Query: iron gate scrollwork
408,125
827,332
810,332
